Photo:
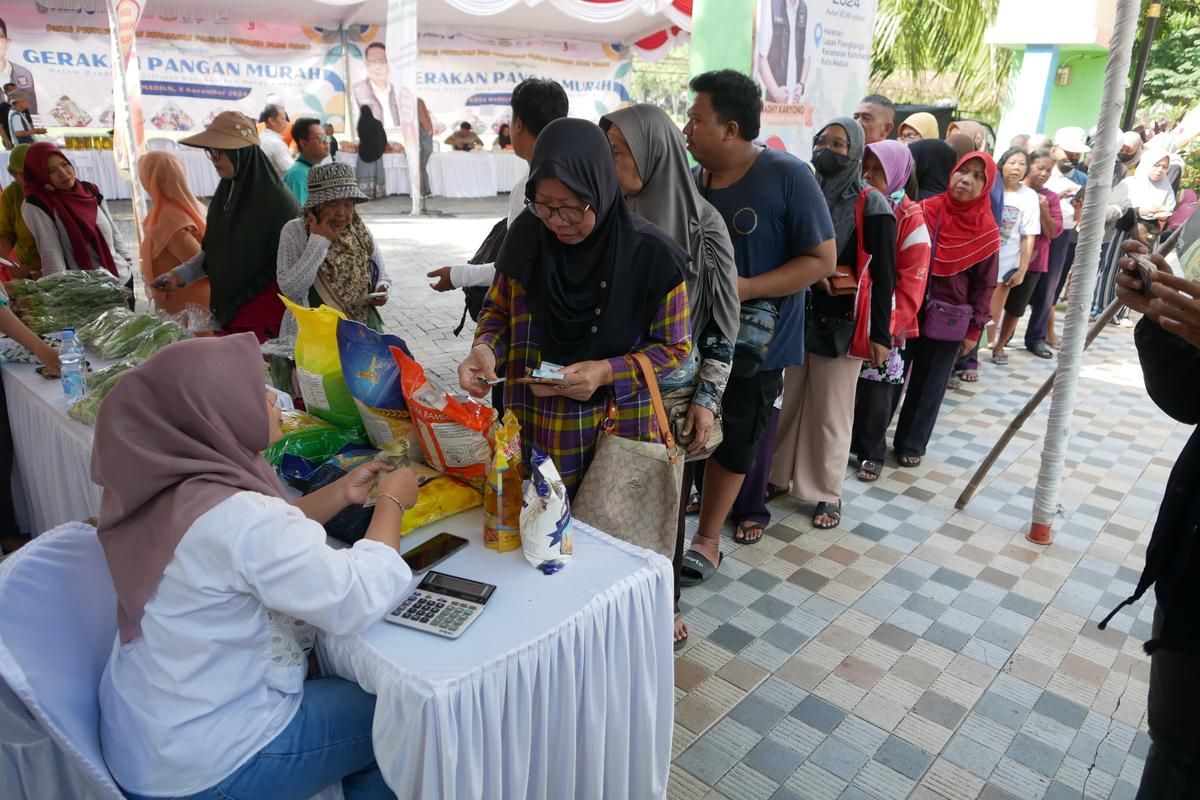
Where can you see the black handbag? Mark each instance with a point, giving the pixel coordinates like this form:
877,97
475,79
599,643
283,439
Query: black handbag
827,335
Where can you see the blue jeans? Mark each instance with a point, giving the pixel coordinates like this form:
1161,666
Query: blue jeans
329,740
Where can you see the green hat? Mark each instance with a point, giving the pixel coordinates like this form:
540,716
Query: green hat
16,158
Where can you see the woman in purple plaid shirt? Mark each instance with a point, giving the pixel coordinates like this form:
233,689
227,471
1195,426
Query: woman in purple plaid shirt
584,283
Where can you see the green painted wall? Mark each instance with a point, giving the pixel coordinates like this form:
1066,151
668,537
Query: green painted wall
722,32
1078,103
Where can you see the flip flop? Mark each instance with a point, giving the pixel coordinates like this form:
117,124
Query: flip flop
825,509
909,462
969,376
954,383
744,527
699,567
774,492
1041,350
868,471
1000,359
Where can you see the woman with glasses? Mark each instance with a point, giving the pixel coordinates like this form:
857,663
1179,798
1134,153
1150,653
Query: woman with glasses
582,284
848,321
241,238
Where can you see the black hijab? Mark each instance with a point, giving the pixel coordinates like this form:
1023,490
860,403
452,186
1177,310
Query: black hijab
504,137
622,270
371,137
241,237
934,160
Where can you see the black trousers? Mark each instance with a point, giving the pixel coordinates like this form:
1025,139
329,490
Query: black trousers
932,364
689,476
874,405
1172,769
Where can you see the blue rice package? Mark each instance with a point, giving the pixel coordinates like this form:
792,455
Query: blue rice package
546,534
373,378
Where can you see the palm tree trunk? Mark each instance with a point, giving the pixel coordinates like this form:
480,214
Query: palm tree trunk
1087,258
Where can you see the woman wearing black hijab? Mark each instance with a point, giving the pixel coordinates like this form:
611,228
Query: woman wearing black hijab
584,283
372,141
933,161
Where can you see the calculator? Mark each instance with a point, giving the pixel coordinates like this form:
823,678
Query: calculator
442,604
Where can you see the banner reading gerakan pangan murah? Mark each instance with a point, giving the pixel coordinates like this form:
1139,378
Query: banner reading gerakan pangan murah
190,69
813,59
465,77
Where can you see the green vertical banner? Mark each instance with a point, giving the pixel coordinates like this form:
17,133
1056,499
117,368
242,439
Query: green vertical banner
722,35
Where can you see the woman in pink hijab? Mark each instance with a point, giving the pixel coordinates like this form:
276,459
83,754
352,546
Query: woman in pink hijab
889,167
222,586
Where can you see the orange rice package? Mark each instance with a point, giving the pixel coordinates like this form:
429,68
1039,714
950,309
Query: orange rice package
453,432
502,494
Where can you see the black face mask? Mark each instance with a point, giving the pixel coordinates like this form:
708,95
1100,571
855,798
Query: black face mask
1126,158
828,163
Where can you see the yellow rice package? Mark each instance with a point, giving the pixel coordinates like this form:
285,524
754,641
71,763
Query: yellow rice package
502,492
319,368
439,497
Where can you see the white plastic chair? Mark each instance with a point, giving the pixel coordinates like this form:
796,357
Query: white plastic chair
58,620
56,633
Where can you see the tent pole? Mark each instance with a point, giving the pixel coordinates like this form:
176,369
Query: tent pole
1070,358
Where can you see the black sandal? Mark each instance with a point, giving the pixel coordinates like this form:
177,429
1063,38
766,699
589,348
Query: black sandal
909,462
745,527
828,510
697,569
868,471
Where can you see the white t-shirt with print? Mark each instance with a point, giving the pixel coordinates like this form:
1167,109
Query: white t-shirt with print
1022,217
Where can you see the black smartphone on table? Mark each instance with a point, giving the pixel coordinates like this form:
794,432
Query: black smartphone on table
433,552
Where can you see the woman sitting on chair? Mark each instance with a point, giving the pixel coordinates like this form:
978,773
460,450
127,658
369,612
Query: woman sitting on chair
222,584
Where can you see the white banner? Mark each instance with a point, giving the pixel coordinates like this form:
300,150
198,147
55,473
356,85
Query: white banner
190,69
465,77
813,59
400,90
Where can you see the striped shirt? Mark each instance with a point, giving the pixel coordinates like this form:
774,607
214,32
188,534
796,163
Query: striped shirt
566,429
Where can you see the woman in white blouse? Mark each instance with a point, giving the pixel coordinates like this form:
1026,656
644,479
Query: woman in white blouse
222,584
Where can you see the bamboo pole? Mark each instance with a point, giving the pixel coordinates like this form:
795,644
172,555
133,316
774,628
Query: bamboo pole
1027,411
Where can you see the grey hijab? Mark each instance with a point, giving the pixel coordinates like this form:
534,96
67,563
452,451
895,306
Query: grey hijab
669,199
841,191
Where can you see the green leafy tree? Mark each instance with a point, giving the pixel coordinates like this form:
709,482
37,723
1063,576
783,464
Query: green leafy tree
939,44
1173,72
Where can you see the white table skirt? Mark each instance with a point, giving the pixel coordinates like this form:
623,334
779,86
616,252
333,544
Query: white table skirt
482,174
53,465
562,688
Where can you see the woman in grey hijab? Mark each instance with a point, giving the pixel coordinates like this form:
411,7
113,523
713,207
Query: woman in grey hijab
847,322
652,167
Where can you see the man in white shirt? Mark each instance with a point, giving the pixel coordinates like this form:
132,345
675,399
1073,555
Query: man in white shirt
376,90
536,102
782,46
20,128
271,139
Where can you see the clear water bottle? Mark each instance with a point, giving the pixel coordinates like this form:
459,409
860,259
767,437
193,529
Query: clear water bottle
74,366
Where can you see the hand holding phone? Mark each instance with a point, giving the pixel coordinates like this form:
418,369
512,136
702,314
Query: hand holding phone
1145,272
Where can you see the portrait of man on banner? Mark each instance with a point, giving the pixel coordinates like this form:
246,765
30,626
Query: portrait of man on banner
376,89
783,51
15,74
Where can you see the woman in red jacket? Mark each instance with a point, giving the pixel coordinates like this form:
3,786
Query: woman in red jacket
888,167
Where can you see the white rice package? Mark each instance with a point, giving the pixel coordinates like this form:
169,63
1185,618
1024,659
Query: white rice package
546,534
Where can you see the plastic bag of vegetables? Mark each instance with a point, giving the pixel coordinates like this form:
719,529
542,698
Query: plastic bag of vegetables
99,385
128,337
104,325
168,332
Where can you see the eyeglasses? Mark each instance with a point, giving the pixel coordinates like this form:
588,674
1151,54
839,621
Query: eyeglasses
835,144
571,215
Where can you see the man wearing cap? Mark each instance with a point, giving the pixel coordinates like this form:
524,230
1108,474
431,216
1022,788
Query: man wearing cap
313,144
15,74
1070,146
248,209
20,123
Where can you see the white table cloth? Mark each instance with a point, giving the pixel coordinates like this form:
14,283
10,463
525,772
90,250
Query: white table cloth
395,169
563,688
53,467
509,170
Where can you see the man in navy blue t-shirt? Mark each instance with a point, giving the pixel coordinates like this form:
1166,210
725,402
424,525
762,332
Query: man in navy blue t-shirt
783,243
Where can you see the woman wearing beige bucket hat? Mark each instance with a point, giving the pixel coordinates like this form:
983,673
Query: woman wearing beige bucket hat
327,256
241,240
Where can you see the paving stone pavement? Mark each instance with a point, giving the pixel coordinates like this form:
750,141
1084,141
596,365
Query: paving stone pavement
914,652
